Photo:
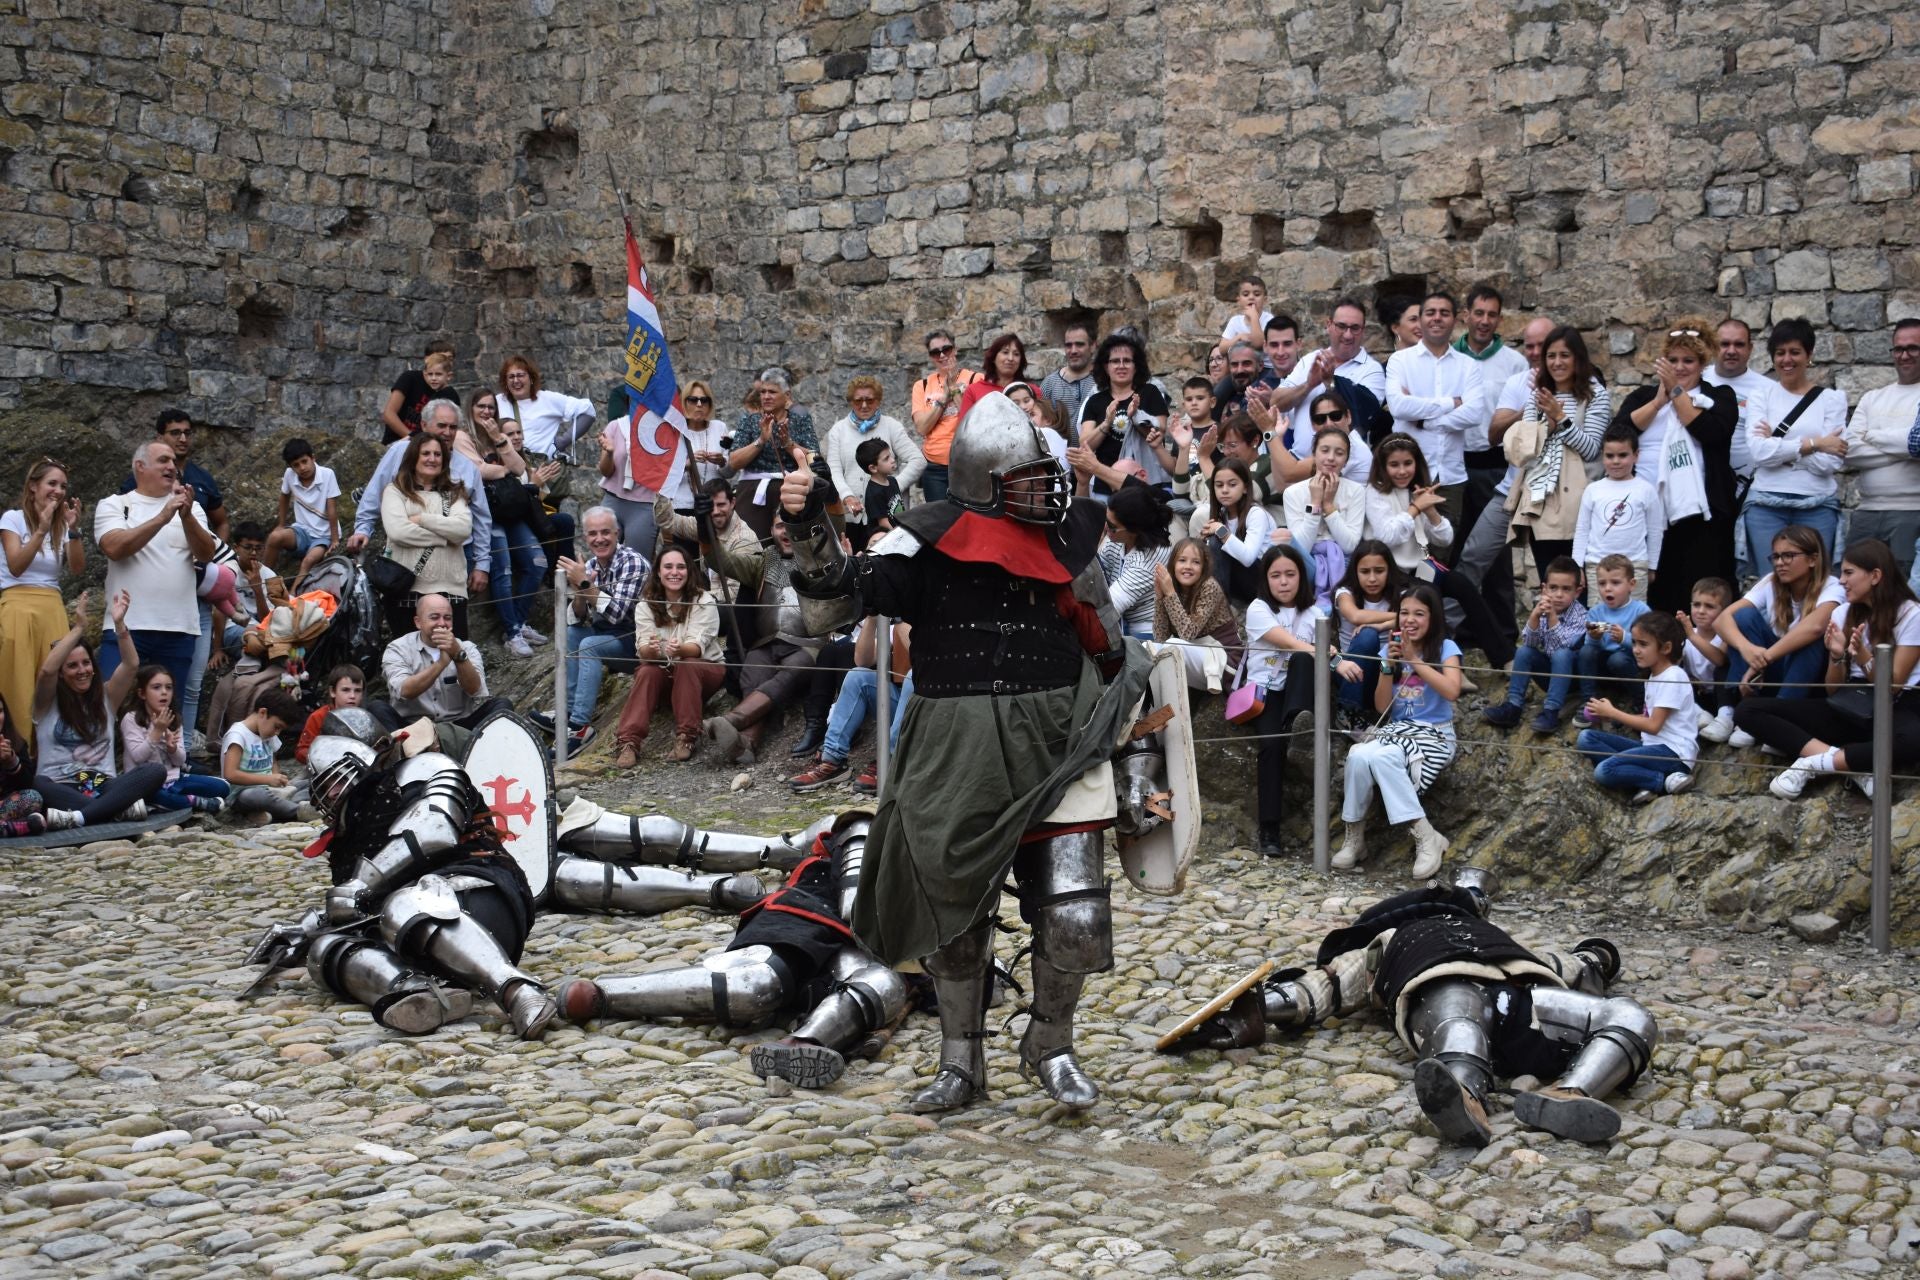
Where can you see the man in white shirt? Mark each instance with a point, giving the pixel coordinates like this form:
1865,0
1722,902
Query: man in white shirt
1734,340
1342,358
151,537
433,673
1486,461
1883,451
443,420
1486,558
1435,395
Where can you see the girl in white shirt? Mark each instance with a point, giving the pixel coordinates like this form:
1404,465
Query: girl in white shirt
1661,761
1326,505
1280,625
1773,632
1236,529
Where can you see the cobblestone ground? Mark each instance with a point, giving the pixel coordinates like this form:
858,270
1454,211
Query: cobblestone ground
152,1125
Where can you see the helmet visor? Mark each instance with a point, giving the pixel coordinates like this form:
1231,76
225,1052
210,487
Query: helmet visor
1036,491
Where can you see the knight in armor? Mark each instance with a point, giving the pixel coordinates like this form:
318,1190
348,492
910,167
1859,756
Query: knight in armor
1005,758
793,954
434,891
1470,1001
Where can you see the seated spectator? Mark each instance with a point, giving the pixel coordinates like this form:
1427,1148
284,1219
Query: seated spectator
552,526
151,538
1798,444
705,433
1773,632
150,734
346,686
1237,439
39,537
779,668
433,674
309,520
520,521
23,811
74,729
761,447
1403,758
1661,762
1137,538
1280,660
551,421
426,517
1191,610
1608,648
1834,734
1326,512
1705,656
1293,461
414,389
1237,530
603,592
1366,605
257,591
736,563
863,424
858,696
261,790
677,640
1550,645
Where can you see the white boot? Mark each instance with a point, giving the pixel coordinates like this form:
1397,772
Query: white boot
1429,847
1352,848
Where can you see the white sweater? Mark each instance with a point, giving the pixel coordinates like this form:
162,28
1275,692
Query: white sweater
1883,422
1344,526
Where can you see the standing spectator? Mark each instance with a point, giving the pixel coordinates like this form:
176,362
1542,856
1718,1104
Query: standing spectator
633,501
1117,421
433,674
1773,632
1485,460
936,409
1265,401
1834,734
74,728
1620,514
1006,364
175,430
23,811
151,537
150,733
1686,434
1883,451
1216,363
1068,387
1404,756
1044,414
551,421
1400,317
309,521
38,536
677,639
761,447
1235,529
1344,360
705,433
1435,395
414,389
865,422
443,421
1661,762
1751,390
1280,624
1191,612
1137,518
1798,446
1487,558
1559,430
426,517
603,591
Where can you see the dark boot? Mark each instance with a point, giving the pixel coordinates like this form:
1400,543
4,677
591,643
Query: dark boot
812,738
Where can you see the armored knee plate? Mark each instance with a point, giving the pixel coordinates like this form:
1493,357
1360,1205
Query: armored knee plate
1063,895
588,884
866,997
402,998
1451,1022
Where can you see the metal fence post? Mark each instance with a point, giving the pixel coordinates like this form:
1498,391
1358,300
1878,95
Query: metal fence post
562,722
1322,743
1882,892
883,702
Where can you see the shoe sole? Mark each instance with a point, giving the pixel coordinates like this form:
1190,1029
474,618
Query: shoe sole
806,1066
1575,1119
1448,1105
415,1014
579,1000
803,787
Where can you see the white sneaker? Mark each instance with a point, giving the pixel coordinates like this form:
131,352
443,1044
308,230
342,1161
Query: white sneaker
1678,782
531,636
1792,780
1719,728
1429,848
136,812
1740,740
62,819
1352,848
1864,781
199,747
519,648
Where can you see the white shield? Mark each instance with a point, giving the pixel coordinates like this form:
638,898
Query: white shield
1157,861
508,765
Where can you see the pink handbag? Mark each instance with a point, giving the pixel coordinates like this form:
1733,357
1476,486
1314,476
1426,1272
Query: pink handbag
1247,700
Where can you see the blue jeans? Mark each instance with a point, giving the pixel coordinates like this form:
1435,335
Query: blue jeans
1763,524
1627,764
1593,660
518,566
933,481
171,649
179,793
588,648
1363,650
1552,671
1803,667
859,694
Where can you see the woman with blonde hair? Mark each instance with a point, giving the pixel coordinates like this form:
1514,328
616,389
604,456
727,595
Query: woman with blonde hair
39,536
863,422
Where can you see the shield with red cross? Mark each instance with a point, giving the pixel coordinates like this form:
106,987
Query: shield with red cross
508,766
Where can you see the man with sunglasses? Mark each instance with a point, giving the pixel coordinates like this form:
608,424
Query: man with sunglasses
936,409
1069,386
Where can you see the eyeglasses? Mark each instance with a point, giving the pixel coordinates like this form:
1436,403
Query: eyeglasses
1347,328
1906,351
937,352
1321,419
47,461
1683,333
863,399
699,399
1781,557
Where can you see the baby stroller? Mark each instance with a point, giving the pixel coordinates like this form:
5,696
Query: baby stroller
351,632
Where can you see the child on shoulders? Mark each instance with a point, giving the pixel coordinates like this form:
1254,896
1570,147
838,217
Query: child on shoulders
1549,646
1661,761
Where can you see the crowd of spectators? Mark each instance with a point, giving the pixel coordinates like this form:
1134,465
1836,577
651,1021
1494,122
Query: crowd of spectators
1296,476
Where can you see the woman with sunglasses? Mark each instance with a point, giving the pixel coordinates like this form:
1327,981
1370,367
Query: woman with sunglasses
632,501
40,537
706,433
864,422
1686,452
936,409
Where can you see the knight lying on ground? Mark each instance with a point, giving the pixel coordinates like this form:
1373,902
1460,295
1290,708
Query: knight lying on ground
1470,1001
435,889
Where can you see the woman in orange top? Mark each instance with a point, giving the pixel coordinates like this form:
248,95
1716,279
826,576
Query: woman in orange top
936,409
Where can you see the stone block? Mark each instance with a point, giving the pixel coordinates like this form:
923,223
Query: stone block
1014,77
1887,178
1818,927
1803,270
1811,307
1857,310
966,262
1853,41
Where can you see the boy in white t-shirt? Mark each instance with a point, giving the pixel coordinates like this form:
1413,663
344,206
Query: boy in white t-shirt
1620,513
246,760
309,508
1705,657
1250,316
1661,762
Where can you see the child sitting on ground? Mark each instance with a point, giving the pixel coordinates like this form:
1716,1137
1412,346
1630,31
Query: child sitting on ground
150,734
309,522
1191,611
1705,657
1367,602
1620,513
246,760
882,498
346,685
1661,762
1549,646
1608,651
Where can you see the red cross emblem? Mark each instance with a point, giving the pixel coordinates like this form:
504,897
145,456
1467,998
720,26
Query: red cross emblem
502,808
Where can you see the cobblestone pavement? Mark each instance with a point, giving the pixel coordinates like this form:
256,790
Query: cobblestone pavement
151,1125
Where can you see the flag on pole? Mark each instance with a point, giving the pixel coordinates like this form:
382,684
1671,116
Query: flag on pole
656,426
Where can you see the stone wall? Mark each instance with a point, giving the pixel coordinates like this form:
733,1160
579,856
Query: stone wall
263,210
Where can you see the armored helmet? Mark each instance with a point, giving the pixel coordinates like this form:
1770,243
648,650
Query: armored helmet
340,764
1000,465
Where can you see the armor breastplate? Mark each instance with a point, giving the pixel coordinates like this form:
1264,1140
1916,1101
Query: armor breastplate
987,631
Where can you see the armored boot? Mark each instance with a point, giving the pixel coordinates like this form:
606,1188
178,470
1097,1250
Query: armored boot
961,972
1046,1050
588,884
867,997
401,998
1618,1045
1454,1076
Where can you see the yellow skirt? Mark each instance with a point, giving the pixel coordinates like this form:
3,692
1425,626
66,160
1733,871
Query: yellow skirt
32,621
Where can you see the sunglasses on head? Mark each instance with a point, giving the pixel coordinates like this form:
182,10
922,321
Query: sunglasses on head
1332,415
937,352
1683,333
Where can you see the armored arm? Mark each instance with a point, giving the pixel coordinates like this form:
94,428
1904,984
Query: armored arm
426,834
1307,998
